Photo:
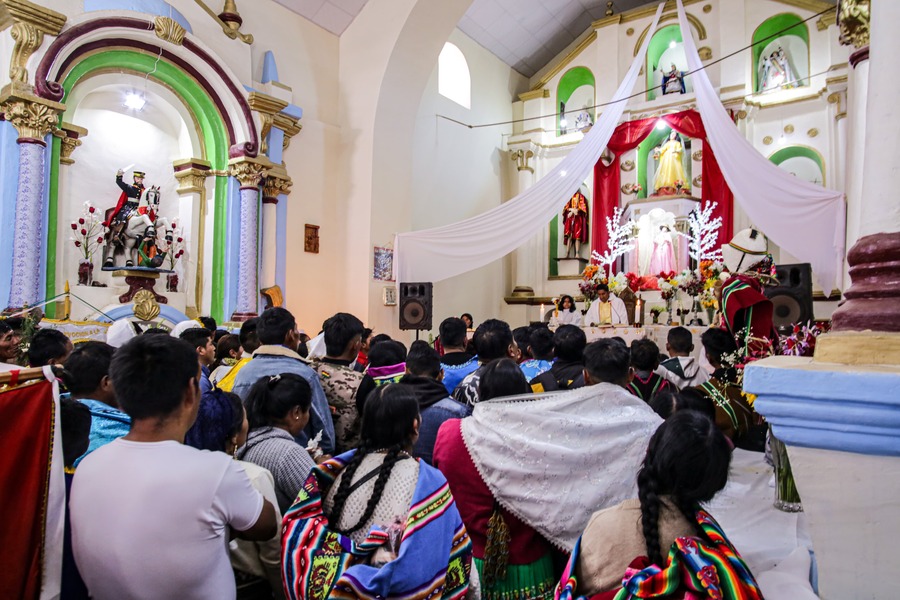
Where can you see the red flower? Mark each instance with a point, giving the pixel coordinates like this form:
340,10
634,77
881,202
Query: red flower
77,244
91,209
81,221
74,226
84,232
100,240
174,226
179,240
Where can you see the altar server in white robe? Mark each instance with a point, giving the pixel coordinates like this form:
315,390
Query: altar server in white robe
607,310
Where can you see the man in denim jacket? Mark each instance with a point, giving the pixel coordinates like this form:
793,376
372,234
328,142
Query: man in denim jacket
278,334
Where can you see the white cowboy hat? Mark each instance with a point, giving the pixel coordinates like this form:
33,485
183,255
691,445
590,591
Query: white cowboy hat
746,248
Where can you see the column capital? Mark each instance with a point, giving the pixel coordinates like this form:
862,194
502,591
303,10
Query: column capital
33,117
289,125
249,171
276,183
70,136
853,22
521,158
191,174
30,23
266,108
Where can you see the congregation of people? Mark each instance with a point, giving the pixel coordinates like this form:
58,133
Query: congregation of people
503,464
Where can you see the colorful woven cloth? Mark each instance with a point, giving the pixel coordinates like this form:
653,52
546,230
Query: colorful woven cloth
387,374
435,555
696,569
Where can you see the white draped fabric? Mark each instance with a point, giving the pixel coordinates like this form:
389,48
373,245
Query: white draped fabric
802,218
540,454
443,252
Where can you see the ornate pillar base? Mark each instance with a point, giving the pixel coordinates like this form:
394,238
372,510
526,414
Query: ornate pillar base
873,300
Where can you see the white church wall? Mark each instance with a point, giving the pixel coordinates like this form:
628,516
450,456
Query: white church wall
460,172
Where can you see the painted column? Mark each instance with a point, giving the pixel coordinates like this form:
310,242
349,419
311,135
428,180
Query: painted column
249,172
191,174
525,258
277,187
33,119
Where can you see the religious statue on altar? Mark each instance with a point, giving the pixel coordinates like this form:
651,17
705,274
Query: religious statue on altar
575,224
133,224
670,176
583,120
776,72
655,247
673,81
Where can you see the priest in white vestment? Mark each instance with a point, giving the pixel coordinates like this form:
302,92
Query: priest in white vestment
607,310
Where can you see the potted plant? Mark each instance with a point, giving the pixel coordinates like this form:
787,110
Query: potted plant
88,235
174,251
655,311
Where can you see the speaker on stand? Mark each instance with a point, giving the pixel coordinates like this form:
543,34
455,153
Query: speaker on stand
792,297
416,300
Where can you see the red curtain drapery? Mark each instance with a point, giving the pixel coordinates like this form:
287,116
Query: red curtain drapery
628,136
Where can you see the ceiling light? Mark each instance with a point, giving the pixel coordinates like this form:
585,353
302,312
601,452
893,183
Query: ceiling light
562,122
660,124
134,101
672,44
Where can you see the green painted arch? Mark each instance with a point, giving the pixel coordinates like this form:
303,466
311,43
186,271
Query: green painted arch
212,131
770,27
571,80
783,154
659,43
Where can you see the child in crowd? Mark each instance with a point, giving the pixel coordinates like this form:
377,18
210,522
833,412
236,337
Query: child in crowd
644,361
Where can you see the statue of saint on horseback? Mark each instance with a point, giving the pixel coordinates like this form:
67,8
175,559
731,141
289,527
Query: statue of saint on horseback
133,225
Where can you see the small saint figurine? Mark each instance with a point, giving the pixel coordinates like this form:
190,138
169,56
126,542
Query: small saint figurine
670,171
673,81
575,223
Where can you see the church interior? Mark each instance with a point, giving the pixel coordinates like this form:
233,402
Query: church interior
405,161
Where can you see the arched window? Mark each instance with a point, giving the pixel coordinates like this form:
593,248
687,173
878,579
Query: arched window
781,62
454,81
802,161
575,101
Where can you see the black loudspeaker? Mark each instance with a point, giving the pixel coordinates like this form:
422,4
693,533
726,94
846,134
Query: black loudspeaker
793,295
416,305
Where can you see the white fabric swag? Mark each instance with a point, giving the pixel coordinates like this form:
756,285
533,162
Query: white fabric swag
443,252
802,218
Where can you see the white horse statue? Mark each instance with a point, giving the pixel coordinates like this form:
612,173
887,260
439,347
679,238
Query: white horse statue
140,231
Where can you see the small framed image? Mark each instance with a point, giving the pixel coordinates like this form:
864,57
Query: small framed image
389,295
311,238
383,268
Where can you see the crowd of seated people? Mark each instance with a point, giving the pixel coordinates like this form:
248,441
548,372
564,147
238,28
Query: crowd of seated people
245,470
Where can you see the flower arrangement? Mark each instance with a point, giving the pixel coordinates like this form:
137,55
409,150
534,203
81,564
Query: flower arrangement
175,249
618,283
657,310
689,283
637,189
668,285
88,232
802,340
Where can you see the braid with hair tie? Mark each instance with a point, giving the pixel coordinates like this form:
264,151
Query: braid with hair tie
648,495
340,497
393,456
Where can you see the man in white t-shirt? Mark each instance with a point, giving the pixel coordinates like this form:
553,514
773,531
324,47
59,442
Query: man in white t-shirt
151,517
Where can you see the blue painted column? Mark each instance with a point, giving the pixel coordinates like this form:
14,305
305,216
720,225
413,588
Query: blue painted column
250,172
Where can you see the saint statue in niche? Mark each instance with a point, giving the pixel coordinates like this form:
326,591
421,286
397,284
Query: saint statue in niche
673,81
776,72
584,121
575,224
656,251
670,175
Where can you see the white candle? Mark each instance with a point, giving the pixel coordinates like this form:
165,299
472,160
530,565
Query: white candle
542,313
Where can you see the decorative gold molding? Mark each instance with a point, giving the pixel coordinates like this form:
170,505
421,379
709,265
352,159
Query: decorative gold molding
289,125
853,22
30,23
627,165
812,132
169,30
266,107
837,98
741,114
701,30
277,182
826,20
249,171
521,157
607,21
644,12
812,6
839,80
33,117
628,189
191,181
740,87
804,98
707,8
629,32
534,95
705,53
566,60
697,181
69,140
789,128
767,140
146,308
697,155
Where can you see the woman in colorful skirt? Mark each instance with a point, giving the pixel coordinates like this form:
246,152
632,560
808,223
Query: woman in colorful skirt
376,522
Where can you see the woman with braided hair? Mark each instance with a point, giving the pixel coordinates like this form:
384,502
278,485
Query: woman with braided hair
664,540
375,522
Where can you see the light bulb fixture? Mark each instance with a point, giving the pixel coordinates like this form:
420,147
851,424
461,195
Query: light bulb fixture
660,124
563,123
134,101
672,44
